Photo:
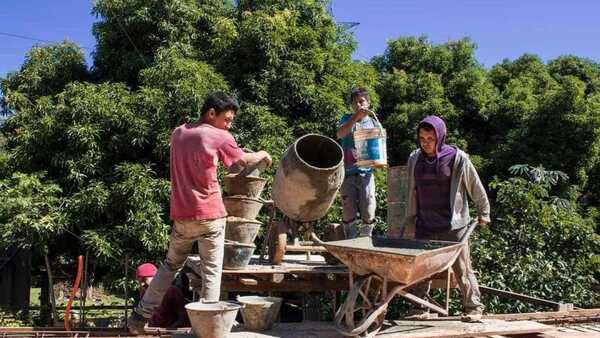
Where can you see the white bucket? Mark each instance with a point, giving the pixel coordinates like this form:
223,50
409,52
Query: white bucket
371,148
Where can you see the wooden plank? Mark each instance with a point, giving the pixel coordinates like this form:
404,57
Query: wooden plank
307,329
248,281
289,268
406,329
286,285
551,316
436,328
595,328
305,248
562,334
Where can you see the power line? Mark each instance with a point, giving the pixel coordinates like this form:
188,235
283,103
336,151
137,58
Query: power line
24,37
131,41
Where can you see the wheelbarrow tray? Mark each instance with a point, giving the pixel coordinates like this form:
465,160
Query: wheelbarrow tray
397,260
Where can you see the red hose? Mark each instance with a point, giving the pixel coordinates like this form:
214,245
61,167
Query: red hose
73,291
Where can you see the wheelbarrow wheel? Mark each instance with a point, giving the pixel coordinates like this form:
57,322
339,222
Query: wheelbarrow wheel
363,312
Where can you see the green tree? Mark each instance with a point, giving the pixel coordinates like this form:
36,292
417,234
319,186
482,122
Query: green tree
106,144
46,71
30,211
537,244
421,79
129,33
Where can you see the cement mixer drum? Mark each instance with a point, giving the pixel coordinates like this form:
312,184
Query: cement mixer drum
308,177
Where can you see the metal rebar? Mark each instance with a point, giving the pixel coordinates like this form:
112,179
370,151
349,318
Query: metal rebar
84,290
126,290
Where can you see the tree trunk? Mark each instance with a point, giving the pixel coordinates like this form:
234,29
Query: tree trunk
51,290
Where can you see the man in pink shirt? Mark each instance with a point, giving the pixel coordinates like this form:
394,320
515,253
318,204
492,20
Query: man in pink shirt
197,208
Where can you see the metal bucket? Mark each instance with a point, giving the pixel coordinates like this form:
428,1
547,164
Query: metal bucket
241,230
250,186
308,177
242,206
237,255
259,313
371,148
253,170
212,320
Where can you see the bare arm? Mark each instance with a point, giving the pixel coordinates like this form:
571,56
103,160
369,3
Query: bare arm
346,128
250,159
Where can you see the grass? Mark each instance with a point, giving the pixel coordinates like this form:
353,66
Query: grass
94,317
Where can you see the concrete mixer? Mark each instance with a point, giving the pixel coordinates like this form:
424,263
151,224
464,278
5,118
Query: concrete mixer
307,180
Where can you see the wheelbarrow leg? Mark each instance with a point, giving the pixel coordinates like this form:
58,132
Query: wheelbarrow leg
373,306
422,302
448,288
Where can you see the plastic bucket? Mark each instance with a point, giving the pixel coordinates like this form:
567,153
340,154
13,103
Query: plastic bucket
259,313
242,206
241,230
250,186
237,255
212,320
371,148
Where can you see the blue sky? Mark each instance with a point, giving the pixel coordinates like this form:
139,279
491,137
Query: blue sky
501,29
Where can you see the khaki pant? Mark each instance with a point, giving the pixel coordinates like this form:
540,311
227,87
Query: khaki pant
210,237
358,201
463,271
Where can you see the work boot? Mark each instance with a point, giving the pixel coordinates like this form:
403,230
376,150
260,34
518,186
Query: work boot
366,230
473,315
136,323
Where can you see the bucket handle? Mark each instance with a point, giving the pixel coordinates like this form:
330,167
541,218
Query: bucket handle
375,116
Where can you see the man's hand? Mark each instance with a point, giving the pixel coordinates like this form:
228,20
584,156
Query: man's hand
361,113
346,128
250,159
267,158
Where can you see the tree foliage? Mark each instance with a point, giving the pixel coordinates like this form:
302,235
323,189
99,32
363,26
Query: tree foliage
422,79
105,142
539,244
31,213
45,71
86,150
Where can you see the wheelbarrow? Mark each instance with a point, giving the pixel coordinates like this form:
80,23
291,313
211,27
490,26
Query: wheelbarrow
382,268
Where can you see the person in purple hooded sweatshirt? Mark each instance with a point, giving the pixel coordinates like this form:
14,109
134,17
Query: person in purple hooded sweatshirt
440,177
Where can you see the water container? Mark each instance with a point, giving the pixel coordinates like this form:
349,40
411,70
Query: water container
371,148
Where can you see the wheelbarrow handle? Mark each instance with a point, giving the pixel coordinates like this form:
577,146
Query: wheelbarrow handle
316,239
472,225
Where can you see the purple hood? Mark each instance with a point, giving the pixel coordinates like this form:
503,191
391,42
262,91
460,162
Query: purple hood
439,126
445,153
